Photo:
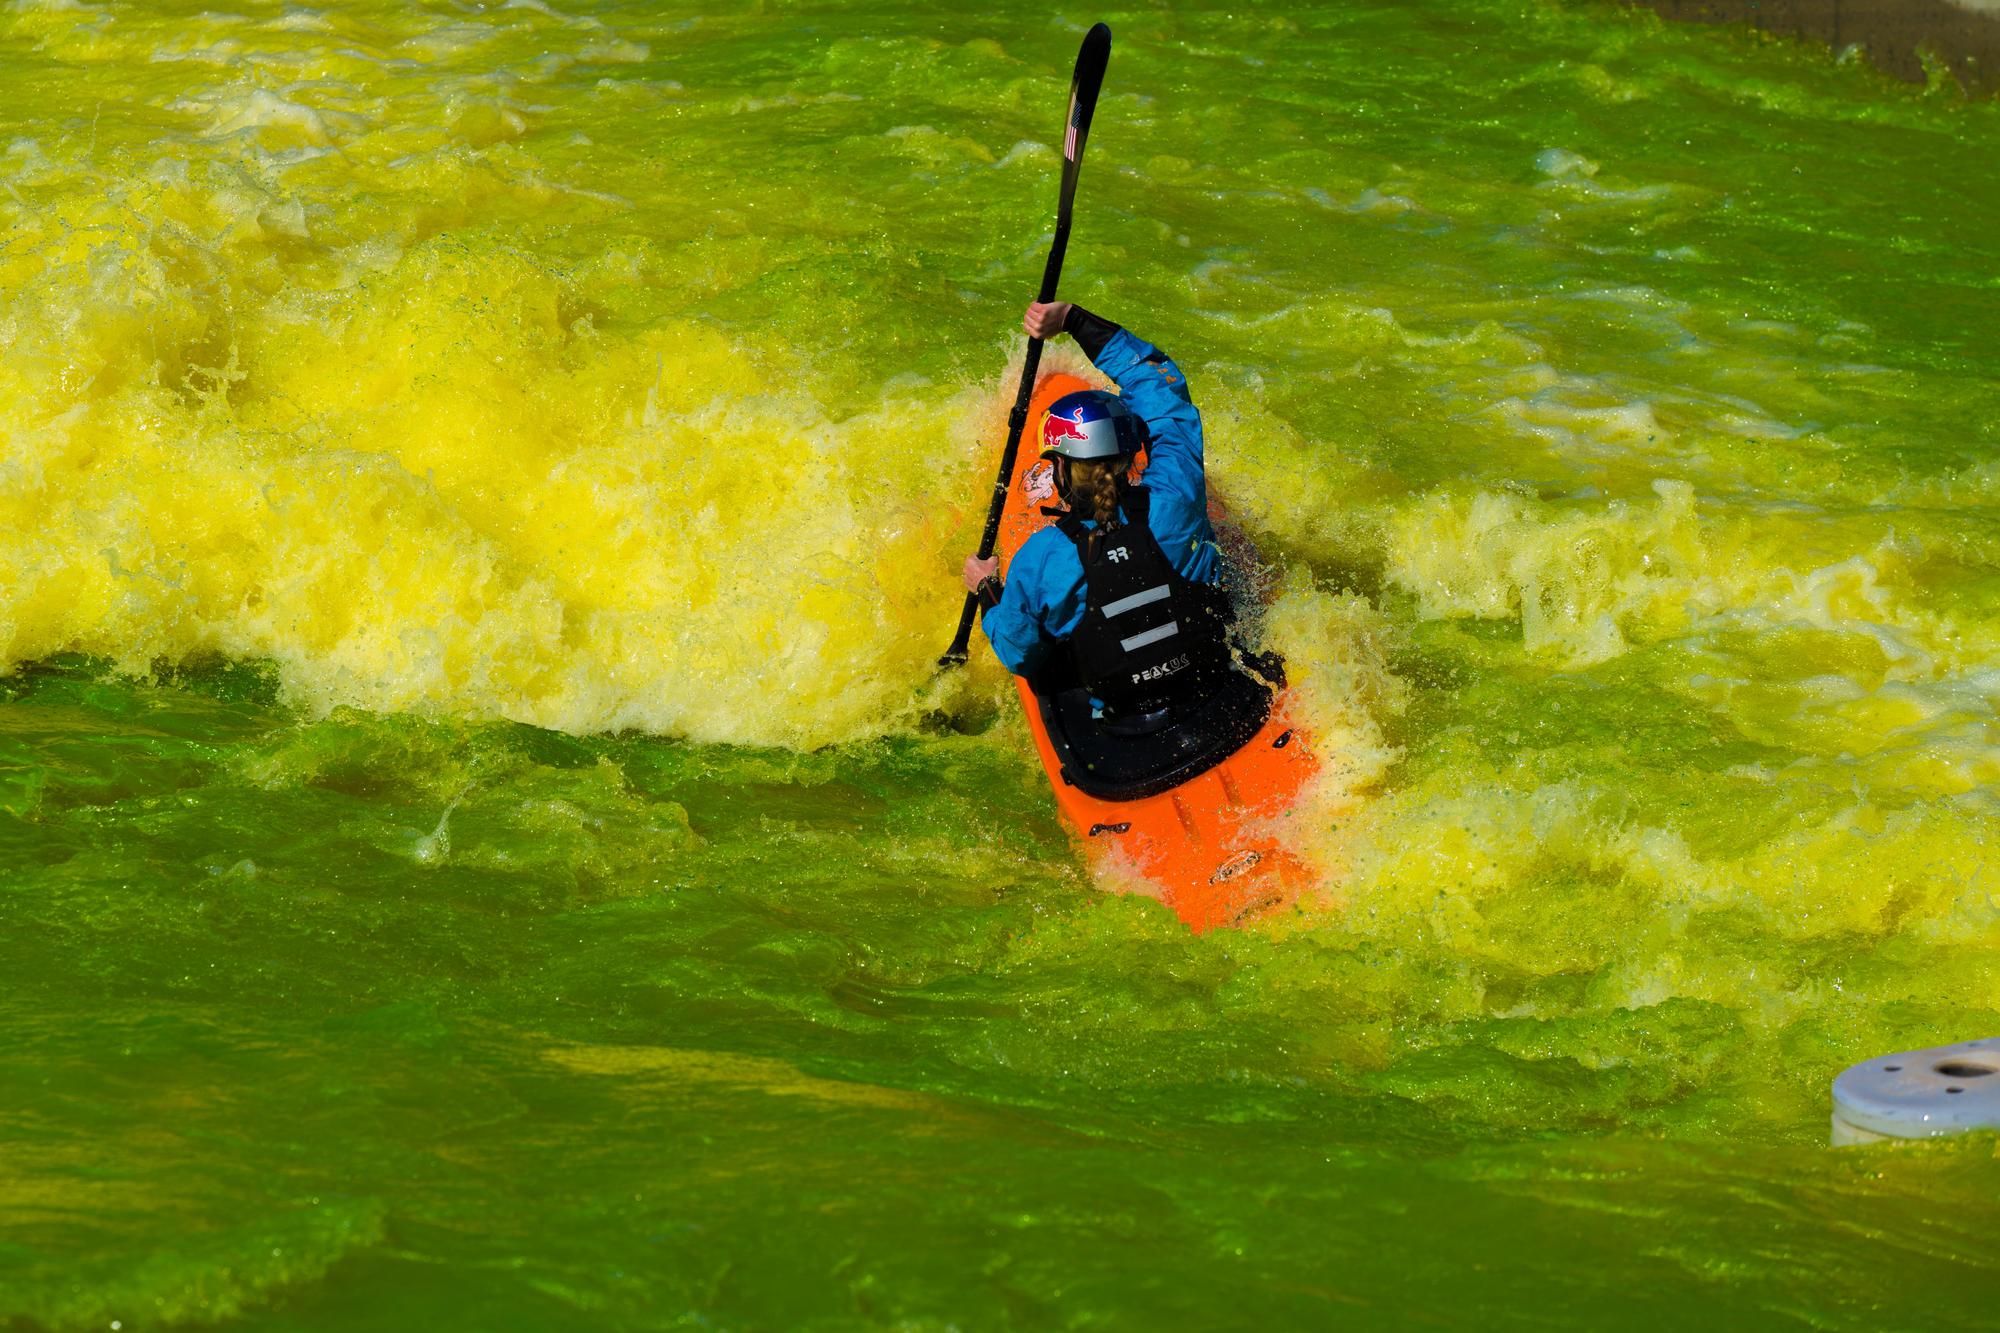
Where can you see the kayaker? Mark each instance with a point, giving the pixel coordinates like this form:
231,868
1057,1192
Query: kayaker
1121,595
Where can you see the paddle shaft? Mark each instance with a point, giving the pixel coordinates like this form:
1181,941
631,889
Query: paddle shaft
1084,86
1017,421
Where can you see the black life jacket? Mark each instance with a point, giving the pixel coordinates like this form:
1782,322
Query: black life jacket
1149,637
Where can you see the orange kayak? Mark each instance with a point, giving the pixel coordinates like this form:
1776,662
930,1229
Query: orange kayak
1206,845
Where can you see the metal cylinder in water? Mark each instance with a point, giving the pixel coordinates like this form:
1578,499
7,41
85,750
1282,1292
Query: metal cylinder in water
1919,1094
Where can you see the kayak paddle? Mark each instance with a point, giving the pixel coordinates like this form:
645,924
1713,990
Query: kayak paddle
1083,88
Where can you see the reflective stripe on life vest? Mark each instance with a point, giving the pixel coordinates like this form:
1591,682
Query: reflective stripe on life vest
1138,599
1138,641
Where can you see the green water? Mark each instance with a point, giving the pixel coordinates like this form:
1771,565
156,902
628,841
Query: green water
482,844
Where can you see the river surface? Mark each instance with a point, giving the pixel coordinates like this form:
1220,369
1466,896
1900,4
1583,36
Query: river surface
483,843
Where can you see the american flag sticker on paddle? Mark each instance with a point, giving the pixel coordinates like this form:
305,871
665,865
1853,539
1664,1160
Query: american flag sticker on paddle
1069,136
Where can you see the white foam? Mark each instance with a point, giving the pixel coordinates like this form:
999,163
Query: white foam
302,20
259,109
1025,150
1560,162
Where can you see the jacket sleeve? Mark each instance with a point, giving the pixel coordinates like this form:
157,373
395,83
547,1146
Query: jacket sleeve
1153,386
1040,605
1012,628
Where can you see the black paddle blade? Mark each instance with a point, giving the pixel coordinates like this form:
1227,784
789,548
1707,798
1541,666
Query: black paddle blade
1084,85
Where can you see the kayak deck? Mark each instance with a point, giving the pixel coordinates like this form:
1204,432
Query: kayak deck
1209,848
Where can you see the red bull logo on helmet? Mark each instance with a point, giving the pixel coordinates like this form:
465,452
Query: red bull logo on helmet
1059,428
1090,424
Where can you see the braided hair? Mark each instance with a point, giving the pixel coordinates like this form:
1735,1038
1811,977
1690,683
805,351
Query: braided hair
1095,486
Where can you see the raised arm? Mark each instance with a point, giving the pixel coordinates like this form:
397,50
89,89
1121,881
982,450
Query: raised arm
1151,385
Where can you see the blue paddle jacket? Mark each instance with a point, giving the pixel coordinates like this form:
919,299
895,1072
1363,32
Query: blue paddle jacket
1042,603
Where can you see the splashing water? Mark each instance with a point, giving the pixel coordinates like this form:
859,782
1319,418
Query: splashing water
485,844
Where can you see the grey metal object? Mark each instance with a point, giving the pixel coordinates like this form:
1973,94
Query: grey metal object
1919,1094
